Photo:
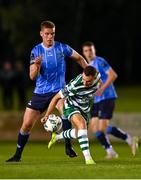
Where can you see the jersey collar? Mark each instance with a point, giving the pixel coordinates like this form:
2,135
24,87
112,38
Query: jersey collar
49,47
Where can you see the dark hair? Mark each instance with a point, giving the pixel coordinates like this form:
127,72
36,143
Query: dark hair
47,24
88,43
90,71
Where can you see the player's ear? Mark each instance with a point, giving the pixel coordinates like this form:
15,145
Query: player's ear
41,33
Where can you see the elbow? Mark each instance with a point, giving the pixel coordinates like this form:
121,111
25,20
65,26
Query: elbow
83,63
31,77
115,76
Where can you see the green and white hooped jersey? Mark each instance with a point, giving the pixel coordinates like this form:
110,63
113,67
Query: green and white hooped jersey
79,96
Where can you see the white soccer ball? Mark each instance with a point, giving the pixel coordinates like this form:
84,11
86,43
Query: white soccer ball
53,123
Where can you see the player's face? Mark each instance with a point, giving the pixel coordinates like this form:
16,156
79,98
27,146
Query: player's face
48,35
89,52
87,80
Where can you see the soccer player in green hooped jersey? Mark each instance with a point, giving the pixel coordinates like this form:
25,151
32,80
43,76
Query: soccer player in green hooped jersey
78,95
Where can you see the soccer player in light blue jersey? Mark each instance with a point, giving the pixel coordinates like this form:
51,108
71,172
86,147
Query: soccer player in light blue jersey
104,103
47,68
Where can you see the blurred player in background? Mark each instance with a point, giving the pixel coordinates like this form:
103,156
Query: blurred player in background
78,95
7,77
104,103
47,67
21,84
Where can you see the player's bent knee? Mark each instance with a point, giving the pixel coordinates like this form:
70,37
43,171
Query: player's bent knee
102,129
82,125
102,125
26,127
78,121
94,130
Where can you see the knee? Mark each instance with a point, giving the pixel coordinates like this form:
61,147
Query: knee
81,125
102,129
93,128
26,127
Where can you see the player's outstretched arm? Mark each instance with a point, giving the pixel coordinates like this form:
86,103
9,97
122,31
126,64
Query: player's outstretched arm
78,58
51,107
35,68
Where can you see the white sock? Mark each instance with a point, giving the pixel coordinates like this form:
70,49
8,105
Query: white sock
70,133
84,143
59,136
129,140
110,150
107,138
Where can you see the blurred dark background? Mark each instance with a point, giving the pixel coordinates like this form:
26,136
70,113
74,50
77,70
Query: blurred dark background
113,25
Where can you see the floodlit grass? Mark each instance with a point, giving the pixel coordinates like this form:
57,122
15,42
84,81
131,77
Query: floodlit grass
39,162
129,99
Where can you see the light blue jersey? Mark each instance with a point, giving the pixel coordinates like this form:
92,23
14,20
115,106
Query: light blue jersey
52,73
102,66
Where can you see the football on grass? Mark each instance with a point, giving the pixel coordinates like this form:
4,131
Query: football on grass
53,123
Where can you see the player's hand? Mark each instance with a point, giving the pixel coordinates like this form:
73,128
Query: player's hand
38,60
99,92
44,119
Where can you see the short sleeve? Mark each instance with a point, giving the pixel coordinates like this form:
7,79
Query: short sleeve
67,50
91,63
69,89
33,55
64,92
105,65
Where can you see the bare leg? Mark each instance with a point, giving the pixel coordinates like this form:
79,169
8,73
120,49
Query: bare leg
66,125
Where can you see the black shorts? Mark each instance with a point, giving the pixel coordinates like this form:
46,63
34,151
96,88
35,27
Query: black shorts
40,102
103,109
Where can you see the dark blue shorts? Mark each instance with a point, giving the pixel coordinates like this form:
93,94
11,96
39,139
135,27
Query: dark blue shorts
40,102
104,109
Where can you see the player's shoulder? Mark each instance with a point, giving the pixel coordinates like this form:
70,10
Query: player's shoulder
100,59
103,64
76,80
78,77
63,45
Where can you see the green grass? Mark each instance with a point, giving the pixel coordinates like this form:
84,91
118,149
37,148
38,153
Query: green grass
129,99
39,162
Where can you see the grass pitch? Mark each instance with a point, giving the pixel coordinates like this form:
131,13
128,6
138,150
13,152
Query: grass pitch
39,162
